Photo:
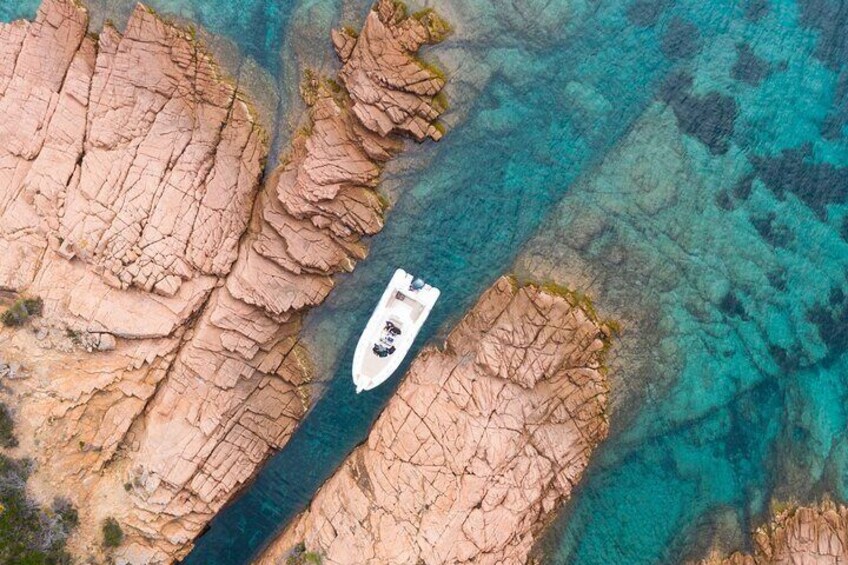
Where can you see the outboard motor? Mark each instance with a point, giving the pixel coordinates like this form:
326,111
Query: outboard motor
417,284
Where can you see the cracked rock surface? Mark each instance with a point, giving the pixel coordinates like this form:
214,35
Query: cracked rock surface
130,153
166,365
479,447
807,535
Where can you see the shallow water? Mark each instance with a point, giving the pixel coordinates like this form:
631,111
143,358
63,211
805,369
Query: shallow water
738,251
487,187
682,161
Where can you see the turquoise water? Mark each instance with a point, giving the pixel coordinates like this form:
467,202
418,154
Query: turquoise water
10,10
736,253
683,161
258,27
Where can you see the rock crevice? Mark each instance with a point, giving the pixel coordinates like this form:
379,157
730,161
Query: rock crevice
132,202
483,441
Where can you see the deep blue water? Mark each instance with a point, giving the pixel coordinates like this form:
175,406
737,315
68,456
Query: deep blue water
683,161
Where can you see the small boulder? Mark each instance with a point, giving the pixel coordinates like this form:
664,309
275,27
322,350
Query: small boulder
106,342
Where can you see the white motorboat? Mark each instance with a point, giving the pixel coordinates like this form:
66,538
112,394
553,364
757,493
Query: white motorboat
396,321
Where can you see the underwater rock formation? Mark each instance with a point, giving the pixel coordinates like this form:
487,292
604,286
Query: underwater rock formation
480,446
802,535
165,367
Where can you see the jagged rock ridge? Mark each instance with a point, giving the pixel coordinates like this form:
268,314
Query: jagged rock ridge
130,201
479,447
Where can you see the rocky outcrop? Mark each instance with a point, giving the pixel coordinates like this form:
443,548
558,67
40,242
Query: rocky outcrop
131,153
166,365
392,92
798,536
483,441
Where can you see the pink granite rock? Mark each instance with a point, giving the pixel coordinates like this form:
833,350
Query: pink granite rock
815,535
166,367
134,152
481,444
392,91
170,163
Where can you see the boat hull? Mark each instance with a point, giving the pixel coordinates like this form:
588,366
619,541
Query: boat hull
395,322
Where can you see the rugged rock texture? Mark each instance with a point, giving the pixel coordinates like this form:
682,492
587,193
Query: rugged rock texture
816,535
131,153
166,365
481,444
392,92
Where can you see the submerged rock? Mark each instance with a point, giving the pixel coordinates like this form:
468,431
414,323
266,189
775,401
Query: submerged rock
480,446
681,39
131,202
709,118
749,68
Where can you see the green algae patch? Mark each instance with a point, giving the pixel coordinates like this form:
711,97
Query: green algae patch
580,299
440,101
7,428
438,27
350,31
300,357
334,86
383,200
576,298
310,86
609,328
432,68
401,10
779,508
513,281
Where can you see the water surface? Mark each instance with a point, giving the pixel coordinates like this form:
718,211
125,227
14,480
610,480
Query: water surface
519,145
683,161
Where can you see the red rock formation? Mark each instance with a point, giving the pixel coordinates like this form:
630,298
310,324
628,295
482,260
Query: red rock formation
479,447
166,366
816,535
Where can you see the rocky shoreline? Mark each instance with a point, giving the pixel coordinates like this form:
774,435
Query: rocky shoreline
480,446
801,535
165,366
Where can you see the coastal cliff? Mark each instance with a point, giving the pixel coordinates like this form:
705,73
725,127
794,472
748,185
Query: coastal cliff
164,367
482,443
799,535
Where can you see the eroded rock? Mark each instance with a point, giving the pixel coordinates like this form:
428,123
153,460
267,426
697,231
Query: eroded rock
132,151
481,444
166,366
797,536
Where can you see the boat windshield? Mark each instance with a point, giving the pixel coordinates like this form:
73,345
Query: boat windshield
385,346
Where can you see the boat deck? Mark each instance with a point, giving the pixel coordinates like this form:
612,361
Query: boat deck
390,332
